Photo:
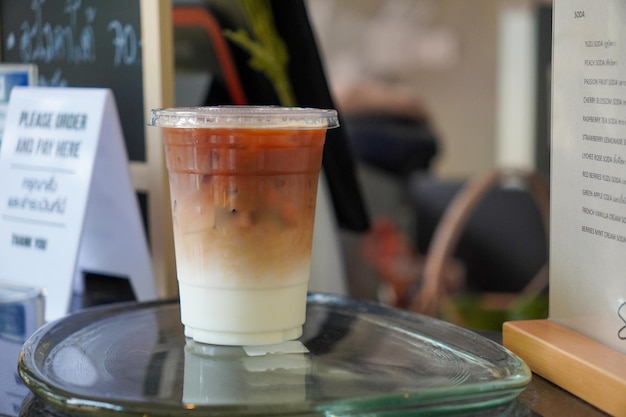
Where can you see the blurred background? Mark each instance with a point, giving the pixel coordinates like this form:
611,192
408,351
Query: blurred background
473,66
465,86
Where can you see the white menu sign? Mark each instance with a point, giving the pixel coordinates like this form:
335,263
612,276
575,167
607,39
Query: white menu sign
67,204
588,176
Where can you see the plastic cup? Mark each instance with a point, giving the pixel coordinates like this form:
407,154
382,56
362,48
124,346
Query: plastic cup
243,187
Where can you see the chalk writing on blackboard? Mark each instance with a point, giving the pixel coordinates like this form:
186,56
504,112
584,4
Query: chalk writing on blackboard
40,41
83,43
125,42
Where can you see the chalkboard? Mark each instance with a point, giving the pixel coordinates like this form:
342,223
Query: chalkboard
83,43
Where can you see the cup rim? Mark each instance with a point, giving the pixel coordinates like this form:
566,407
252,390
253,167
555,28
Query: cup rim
237,116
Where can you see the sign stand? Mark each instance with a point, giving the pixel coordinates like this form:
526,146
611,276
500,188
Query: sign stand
586,368
582,346
113,235
67,204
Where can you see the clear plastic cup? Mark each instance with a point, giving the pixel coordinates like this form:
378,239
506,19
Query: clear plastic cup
243,186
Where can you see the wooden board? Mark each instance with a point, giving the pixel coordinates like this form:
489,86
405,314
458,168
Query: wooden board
578,364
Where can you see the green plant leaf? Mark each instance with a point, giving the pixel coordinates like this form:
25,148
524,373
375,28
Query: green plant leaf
267,50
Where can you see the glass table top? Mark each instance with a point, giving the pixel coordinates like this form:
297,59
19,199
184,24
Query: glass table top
354,358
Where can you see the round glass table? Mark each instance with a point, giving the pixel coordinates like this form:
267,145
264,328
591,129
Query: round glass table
354,358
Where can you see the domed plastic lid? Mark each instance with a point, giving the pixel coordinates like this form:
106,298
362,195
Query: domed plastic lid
273,117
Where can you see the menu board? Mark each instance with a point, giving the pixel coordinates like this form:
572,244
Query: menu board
588,183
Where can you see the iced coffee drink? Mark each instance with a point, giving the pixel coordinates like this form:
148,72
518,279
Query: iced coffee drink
243,185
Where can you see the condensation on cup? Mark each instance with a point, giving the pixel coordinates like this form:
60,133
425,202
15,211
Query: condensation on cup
243,186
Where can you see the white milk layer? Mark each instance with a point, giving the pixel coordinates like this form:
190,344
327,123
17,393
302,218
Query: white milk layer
263,316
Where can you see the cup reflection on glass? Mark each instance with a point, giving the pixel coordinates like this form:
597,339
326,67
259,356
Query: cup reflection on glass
243,186
226,375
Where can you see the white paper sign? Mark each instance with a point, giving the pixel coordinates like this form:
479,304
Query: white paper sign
66,200
588,176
